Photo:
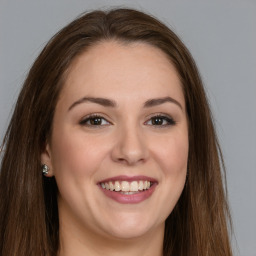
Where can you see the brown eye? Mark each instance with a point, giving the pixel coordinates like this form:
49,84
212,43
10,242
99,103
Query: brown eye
157,121
160,121
94,121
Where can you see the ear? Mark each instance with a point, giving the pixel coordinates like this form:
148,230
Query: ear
46,158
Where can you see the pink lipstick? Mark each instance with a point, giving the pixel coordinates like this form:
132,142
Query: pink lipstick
128,190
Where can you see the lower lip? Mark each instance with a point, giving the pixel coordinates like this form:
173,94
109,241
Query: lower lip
129,199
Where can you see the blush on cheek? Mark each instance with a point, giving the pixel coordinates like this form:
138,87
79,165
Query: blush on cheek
174,159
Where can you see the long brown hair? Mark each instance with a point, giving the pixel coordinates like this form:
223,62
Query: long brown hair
197,226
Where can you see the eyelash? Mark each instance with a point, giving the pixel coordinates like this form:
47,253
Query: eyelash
162,118
169,120
91,118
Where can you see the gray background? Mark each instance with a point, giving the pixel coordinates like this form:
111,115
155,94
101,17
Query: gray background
222,38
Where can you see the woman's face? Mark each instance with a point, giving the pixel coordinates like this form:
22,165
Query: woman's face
119,144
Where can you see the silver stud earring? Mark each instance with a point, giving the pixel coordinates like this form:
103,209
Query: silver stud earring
45,169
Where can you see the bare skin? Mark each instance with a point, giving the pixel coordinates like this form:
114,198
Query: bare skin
121,113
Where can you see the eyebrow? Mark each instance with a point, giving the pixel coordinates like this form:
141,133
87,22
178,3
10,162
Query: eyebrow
159,101
110,103
101,101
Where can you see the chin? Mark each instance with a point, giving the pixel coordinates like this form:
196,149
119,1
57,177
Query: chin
129,233
132,228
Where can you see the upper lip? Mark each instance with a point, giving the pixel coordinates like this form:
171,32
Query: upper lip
129,178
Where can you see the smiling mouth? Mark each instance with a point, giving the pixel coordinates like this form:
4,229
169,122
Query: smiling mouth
126,187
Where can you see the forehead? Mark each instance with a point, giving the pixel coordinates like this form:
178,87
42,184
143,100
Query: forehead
115,69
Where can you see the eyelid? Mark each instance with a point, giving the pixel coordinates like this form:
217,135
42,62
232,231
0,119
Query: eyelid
91,116
167,118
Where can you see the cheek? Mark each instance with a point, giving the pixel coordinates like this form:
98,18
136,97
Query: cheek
173,155
75,155
76,159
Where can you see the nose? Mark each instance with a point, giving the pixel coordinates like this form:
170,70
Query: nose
130,147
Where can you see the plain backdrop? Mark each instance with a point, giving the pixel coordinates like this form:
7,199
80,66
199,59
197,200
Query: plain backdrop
221,36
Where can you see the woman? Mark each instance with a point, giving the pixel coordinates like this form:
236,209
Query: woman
111,149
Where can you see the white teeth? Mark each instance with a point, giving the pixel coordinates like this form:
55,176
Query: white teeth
134,186
141,187
117,186
145,184
111,186
126,187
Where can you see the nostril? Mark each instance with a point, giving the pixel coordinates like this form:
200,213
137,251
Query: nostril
123,160
129,150
130,161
